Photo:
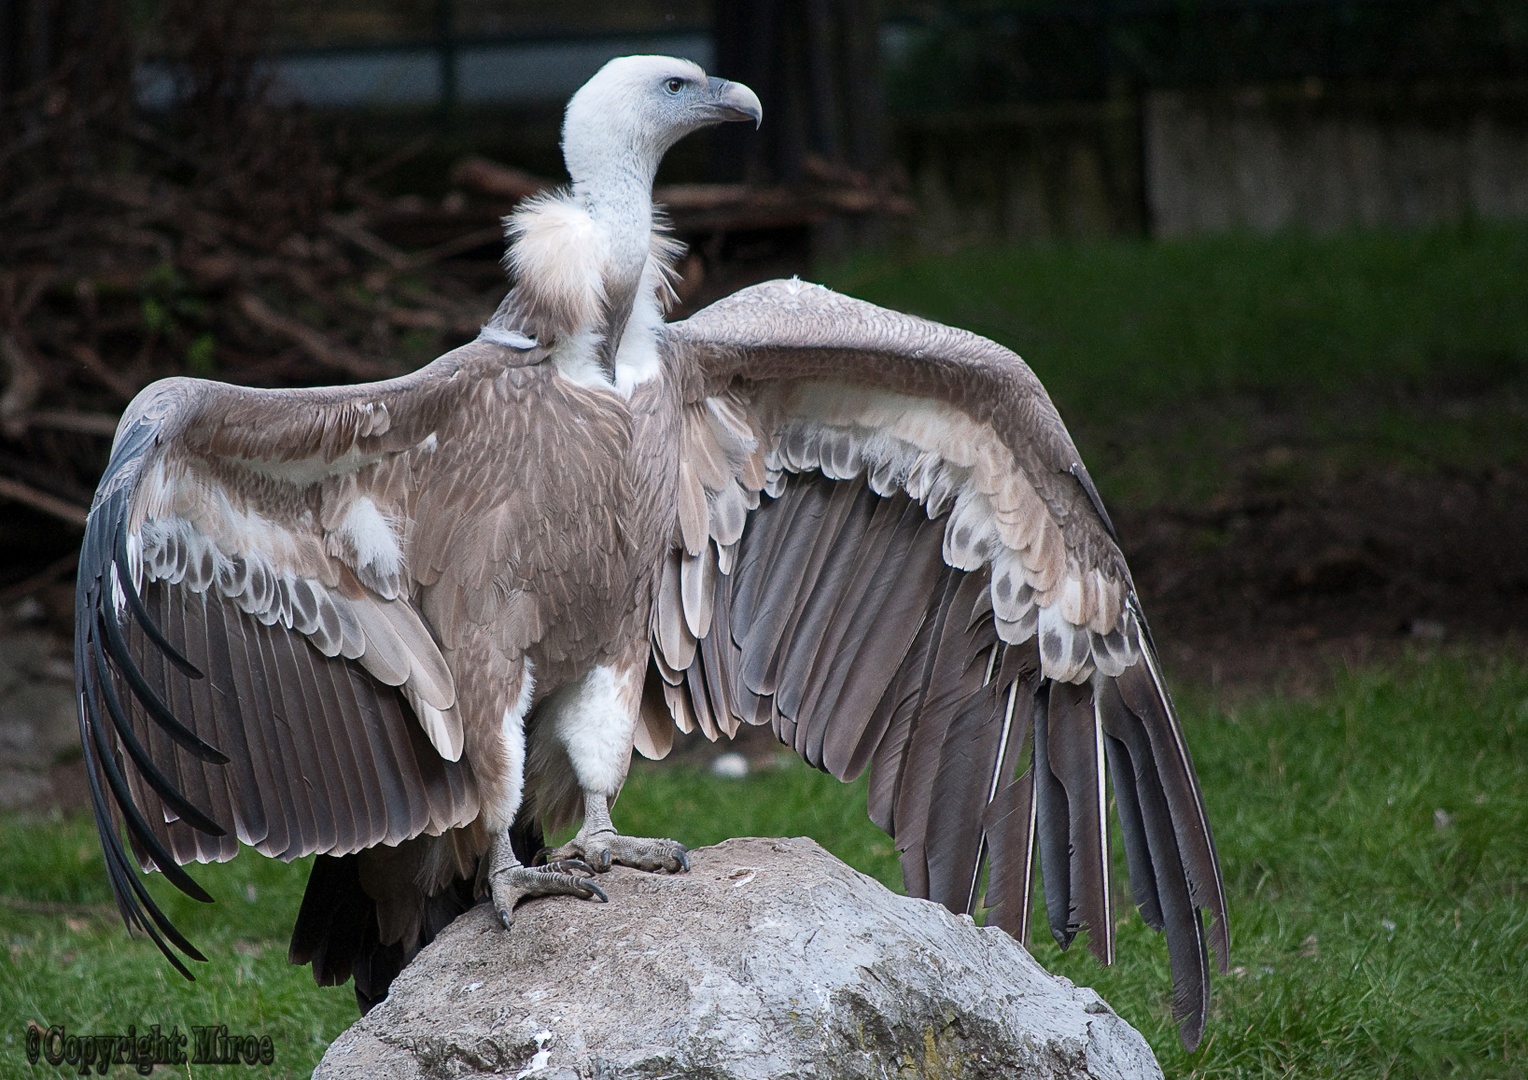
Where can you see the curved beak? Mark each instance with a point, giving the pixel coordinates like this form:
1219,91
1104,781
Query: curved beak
734,101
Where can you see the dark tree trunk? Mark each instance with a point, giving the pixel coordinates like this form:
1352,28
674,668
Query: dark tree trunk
64,66
815,65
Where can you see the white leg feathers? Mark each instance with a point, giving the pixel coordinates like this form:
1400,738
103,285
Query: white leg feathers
594,719
506,802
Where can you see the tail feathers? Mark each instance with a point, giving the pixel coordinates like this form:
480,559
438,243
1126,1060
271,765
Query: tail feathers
375,972
332,922
338,932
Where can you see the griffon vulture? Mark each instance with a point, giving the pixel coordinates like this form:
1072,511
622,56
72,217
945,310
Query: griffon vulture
407,625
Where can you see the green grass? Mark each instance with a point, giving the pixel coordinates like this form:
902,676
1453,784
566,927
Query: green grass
1168,359
1366,940
77,966
1133,323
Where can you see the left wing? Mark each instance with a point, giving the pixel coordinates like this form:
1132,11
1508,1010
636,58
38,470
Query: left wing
888,548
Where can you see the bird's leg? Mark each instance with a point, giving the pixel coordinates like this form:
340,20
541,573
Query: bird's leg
510,881
599,845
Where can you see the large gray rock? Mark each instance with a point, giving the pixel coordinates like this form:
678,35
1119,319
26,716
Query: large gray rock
769,959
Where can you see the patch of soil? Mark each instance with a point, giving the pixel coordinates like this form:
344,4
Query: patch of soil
1271,585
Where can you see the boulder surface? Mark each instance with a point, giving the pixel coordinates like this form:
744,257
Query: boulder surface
769,959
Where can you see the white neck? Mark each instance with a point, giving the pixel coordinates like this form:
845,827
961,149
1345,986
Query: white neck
617,190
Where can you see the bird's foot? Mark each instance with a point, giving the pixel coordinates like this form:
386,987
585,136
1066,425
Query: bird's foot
602,848
561,877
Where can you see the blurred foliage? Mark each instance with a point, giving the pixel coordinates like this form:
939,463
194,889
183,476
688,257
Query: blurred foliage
965,53
368,22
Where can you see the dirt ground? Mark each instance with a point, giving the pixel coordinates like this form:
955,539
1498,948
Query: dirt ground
1273,585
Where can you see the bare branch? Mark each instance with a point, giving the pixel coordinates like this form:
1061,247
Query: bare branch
23,388
368,241
68,420
39,500
92,362
313,342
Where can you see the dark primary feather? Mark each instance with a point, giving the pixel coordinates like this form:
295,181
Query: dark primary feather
1127,801
1140,688
1052,832
1009,821
1178,914
153,703
99,687
135,603
1076,754
952,849
203,783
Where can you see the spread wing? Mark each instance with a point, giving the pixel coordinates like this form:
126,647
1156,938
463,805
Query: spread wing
888,549
250,666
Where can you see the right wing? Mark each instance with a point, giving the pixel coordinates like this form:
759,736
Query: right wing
249,664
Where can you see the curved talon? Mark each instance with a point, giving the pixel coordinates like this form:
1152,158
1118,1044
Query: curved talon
581,887
684,857
512,883
567,866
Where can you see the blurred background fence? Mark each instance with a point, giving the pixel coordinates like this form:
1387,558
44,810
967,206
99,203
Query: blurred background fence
1021,120
1033,121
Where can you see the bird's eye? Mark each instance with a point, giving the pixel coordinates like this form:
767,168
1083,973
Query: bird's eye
674,85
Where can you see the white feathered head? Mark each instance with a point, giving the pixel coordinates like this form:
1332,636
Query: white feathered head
636,107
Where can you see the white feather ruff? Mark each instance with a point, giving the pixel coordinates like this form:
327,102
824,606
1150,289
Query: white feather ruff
559,257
